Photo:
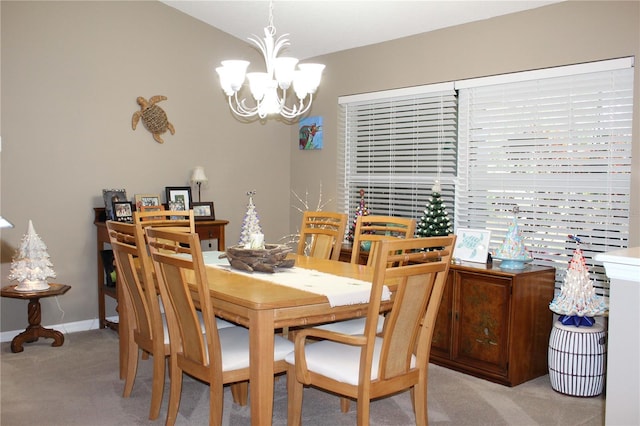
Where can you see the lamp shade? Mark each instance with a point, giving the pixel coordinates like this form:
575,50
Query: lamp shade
198,175
4,223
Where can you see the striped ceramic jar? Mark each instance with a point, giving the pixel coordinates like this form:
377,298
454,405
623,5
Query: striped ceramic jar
577,359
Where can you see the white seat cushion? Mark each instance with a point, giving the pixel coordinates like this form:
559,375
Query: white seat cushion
165,329
235,347
219,322
339,361
351,327
224,323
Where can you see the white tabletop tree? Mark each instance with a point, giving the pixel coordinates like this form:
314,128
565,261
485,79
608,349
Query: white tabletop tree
31,265
251,223
578,304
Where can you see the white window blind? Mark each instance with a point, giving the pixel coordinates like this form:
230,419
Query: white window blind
560,149
394,146
555,142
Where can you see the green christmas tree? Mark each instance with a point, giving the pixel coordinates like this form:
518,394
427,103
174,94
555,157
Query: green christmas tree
251,223
362,210
435,220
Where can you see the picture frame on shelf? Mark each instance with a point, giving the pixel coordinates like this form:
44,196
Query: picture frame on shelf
158,208
203,210
144,200
110,196
123,211
472,245
178,197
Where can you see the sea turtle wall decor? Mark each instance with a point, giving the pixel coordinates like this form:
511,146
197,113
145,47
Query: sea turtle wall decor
153,117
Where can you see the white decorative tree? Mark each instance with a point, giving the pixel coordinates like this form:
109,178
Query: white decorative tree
251,223
31,265
577,302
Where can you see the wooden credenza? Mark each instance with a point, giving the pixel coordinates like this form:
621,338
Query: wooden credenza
206,229
494,323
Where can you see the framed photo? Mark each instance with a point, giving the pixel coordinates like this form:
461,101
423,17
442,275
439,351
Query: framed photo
203,211
144,200
123,211
110,196
472,245
178,197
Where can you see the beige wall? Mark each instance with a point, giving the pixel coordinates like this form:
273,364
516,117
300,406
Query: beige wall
560,34
71,72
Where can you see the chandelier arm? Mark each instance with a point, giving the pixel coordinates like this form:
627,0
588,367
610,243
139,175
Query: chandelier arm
240,110
242,106
245,110
298,110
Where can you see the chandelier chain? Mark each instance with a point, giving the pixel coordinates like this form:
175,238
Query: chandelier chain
270,26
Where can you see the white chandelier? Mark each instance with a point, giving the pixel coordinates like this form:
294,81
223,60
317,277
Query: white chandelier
269,89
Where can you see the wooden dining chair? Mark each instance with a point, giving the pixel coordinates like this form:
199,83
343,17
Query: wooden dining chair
217,356
371,231
145,328
369,366
321,234
168,220
142,316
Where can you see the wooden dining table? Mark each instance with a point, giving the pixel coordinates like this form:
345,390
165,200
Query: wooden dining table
263,307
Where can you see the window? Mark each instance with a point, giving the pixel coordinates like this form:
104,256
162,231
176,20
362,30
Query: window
396,145
554,142
558,147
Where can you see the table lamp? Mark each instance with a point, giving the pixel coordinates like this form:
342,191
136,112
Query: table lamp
4,223
198,177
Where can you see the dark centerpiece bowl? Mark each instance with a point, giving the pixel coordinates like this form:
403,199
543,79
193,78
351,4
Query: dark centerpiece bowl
268,259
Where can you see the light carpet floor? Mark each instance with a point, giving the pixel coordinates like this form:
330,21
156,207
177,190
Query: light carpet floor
78,384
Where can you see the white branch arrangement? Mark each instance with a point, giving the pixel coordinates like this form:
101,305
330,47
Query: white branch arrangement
292,239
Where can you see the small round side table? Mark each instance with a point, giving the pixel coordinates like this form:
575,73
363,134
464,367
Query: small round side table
34,331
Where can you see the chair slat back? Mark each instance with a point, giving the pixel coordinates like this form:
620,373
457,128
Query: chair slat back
129,251
178,264
171,219
321,234
179,221
419,282
373,229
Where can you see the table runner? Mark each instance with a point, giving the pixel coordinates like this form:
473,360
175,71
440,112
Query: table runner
339,290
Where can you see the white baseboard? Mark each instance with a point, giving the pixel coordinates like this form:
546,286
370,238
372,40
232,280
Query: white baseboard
66,328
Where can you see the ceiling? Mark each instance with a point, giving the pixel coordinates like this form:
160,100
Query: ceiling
320,27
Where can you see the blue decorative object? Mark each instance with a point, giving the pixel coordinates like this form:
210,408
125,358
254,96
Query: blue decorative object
577,320
512,251
514,264
365,245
